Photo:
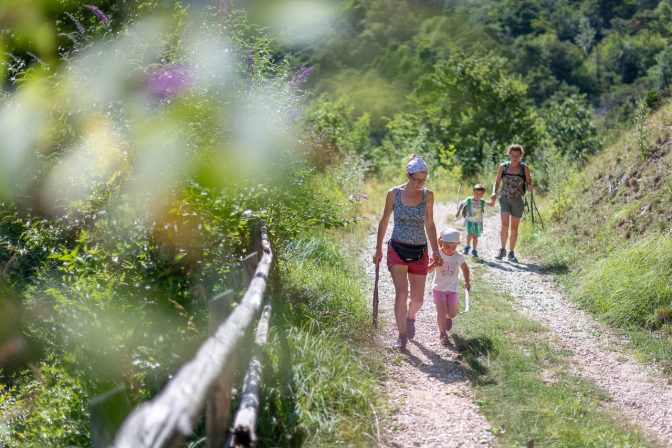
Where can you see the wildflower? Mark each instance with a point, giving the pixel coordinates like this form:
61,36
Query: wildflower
250,61
167,80
77,23
301,75
99,14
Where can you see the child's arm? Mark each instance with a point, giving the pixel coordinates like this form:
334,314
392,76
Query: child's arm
492,201
466,274
431,266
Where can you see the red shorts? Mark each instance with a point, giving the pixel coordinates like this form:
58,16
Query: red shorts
414,267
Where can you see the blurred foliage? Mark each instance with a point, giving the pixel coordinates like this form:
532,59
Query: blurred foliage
139,149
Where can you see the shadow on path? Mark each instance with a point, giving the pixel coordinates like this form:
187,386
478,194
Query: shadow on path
443,369
473,351
527,267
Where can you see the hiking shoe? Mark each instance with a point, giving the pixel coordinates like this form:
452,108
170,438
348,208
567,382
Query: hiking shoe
466,250
401,341
449,324
501,254
410,328
443,339
512,257
474,253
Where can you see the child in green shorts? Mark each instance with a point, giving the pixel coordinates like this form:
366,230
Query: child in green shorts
473,208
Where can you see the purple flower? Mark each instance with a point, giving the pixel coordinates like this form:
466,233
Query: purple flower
301,75
77,23
223,7
98,13
167,80
250,61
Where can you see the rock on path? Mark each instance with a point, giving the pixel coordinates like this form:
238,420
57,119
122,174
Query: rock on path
432,397
640,392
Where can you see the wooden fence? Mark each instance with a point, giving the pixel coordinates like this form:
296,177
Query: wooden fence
204,382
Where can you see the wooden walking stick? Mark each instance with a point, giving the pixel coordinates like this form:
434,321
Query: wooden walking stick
466,299
375,297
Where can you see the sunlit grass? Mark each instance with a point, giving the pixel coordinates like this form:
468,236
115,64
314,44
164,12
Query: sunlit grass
524,383
324,390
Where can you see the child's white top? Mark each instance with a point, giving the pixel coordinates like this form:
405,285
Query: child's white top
475,211
445,277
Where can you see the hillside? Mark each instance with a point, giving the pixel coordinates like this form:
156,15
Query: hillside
612,232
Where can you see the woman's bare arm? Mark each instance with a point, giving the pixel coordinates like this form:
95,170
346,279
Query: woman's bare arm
382,225
430,227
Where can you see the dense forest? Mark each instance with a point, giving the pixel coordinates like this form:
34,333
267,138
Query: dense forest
141,139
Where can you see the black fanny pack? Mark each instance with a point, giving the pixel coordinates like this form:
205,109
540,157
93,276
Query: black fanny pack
408,252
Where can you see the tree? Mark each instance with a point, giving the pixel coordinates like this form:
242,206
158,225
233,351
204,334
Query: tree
570,128
472,103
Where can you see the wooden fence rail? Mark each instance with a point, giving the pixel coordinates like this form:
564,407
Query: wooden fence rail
168,419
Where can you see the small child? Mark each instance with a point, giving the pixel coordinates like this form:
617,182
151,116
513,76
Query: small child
474,207
444,284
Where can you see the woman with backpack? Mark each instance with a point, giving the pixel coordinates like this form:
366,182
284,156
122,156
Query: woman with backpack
407,256
514,177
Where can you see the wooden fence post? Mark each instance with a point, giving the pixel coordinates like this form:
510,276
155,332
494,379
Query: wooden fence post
108,411
257,246
245,420
168,418
219,402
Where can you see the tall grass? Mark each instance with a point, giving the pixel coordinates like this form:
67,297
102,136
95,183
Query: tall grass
323,390
632,286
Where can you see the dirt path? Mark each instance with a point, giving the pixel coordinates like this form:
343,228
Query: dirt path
432,396
638,391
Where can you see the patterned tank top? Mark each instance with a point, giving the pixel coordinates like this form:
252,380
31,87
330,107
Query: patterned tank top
513,184
409,220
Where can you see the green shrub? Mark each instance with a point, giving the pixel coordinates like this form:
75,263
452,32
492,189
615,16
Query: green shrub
49,410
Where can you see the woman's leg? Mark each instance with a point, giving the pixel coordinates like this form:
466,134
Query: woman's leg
399,274
504,235
417,293
514,232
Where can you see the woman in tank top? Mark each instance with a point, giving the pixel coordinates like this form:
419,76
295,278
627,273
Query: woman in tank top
407,254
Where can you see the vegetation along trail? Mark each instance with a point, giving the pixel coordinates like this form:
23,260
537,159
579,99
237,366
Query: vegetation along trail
639,392
429,390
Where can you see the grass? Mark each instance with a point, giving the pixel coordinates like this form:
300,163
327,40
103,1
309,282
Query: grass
322,385
524,384
609,236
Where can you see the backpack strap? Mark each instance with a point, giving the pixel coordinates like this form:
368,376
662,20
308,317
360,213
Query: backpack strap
505,168
482,205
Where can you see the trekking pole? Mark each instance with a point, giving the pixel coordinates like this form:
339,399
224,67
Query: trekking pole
457,201
527,207
534,208
466,300
375,297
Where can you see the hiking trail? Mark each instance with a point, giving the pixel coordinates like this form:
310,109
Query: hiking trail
639,392
429,390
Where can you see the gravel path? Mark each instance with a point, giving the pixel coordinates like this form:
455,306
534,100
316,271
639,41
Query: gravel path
432,397
638,391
